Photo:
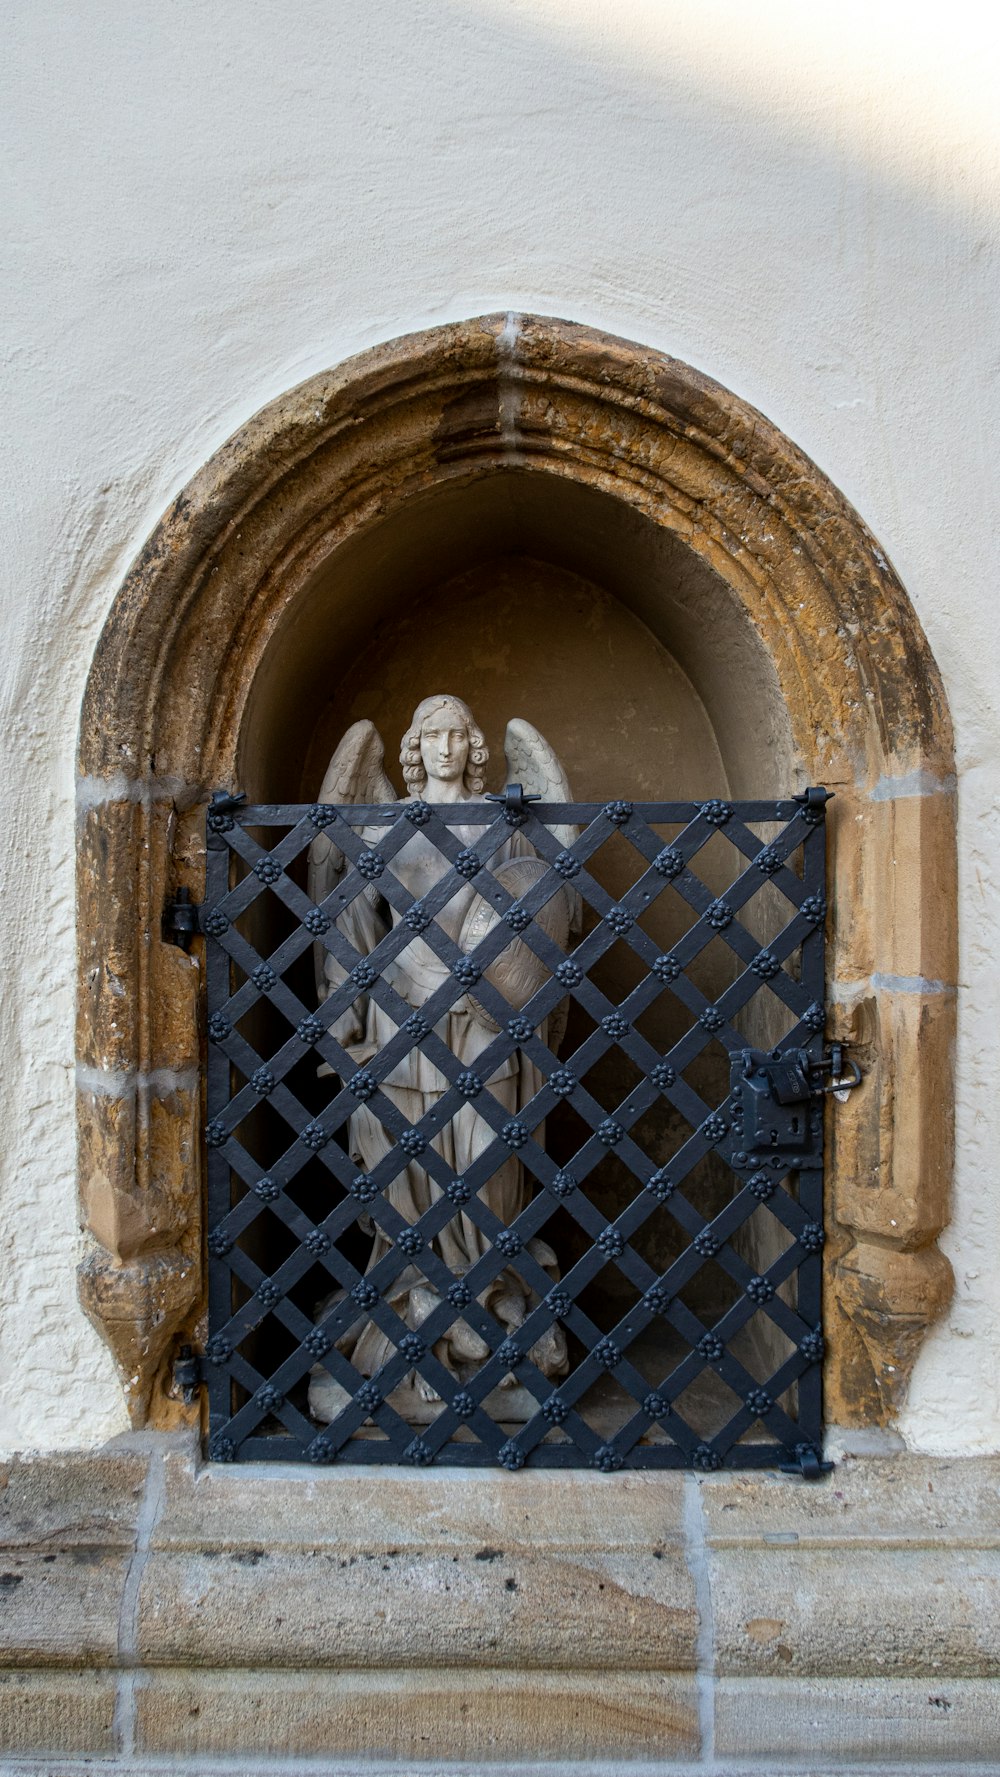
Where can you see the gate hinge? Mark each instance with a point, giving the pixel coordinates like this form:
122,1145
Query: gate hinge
807,1463
180,919
223,803
813,801
187,1373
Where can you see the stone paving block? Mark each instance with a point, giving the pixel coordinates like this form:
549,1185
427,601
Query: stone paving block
835,1612
267,1607
432,1716
869,1720
56,1712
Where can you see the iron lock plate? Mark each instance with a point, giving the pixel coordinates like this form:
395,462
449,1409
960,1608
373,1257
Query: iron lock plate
780,1104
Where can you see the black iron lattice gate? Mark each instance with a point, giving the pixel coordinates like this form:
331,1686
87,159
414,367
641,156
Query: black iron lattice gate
665,1223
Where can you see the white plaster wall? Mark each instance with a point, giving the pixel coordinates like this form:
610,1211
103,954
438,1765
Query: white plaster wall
209,202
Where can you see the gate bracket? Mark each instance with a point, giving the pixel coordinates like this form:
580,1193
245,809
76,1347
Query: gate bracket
514,803
807,1464
814,800
834,1063
180,919
187,1373
227,801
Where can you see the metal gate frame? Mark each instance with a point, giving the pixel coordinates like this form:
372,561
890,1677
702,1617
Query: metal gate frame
767,1130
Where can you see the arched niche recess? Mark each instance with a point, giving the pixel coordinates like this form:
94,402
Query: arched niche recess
561,525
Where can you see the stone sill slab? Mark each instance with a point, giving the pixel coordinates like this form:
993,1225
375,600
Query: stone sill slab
321,1766
156,1608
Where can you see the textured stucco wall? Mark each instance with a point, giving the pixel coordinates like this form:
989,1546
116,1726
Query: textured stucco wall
209,203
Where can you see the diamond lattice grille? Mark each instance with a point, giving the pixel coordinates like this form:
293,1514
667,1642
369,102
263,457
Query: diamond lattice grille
675,1267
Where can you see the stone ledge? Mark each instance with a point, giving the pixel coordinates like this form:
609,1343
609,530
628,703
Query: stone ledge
554,1617
910,1500
362,1509
318,1765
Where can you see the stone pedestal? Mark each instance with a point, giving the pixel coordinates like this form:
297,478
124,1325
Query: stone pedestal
159,1614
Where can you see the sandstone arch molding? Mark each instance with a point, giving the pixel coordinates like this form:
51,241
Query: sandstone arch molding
168,693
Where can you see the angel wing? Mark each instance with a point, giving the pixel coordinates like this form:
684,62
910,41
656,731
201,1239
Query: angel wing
533,764
356,773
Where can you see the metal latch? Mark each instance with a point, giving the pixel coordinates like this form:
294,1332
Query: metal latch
776,1091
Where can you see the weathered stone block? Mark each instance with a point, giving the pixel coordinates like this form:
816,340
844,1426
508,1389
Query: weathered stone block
170,1012
914,903
266,1608
890,1299
108,1008
131,1208
808,1612
138,1306
904,1500
56,1712
432,1716
74,1501
945,1723
532,1570
893,877
891,1144
452,1511
60,1609
67,1529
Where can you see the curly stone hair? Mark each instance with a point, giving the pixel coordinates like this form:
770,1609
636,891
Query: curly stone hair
415,775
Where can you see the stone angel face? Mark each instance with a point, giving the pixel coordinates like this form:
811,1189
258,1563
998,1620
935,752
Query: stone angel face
444,757
443,746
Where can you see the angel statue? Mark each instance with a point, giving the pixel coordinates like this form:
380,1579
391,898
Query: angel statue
444,759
